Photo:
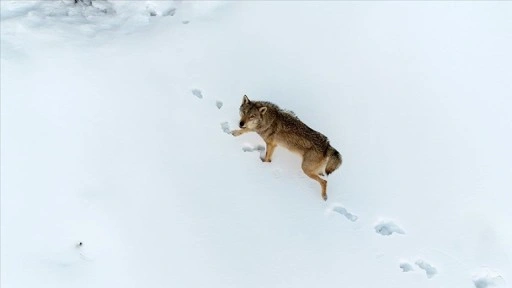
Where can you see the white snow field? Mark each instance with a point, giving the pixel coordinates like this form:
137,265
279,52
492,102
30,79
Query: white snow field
103,142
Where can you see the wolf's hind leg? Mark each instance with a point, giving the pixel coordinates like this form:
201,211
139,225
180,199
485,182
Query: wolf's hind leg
311,163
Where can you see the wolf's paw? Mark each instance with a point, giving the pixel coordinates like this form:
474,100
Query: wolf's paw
236,132
324,196
265,160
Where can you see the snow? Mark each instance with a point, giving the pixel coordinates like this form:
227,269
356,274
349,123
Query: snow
104,144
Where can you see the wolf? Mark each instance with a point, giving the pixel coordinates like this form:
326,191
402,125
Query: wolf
282,127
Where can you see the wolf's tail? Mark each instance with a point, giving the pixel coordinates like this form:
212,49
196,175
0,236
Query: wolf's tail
334,161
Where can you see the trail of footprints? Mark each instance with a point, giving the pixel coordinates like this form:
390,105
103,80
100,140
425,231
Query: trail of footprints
384,227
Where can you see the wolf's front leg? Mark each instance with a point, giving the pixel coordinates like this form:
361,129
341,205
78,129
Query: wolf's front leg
239,132
268,152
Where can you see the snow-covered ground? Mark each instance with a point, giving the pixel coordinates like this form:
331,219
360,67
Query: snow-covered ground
116,170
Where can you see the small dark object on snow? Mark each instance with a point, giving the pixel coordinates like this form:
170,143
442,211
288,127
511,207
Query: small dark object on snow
85,2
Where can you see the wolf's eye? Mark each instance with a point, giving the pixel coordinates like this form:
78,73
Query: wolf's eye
252,116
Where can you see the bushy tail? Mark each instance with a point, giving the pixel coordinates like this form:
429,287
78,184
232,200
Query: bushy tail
334,161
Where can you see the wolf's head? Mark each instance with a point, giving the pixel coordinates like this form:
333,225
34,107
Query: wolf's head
251,113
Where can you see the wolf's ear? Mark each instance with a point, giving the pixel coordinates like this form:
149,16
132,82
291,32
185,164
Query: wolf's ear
246,100
263,110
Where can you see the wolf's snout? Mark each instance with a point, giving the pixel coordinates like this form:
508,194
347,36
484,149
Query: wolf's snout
242,123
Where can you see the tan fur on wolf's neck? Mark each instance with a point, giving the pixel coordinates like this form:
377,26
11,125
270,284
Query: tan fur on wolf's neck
280,127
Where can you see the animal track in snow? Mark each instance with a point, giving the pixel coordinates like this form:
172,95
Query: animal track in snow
406,266
197,93
225,127
152,12
387,227
249,148
169,12
488,279
343,211
429,269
